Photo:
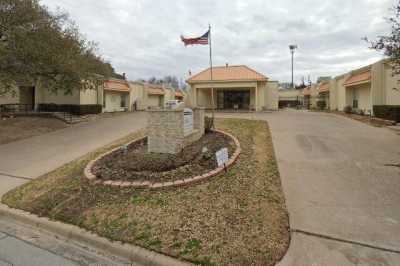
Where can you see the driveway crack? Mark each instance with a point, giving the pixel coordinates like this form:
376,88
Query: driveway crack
15,176
347,241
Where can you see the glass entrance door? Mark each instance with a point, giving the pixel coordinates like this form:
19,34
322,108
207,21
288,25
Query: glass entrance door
234,99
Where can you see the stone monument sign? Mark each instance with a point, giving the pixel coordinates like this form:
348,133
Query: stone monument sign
170,130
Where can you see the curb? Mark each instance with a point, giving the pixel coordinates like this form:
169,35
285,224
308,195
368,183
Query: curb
161,185
73,233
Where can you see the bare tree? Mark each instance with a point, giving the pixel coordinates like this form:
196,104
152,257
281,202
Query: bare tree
390,44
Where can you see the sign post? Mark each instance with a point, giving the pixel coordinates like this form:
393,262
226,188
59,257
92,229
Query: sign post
187,121
222,157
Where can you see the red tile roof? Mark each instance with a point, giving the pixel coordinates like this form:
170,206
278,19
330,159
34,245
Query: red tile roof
154,89
228,73
116,85
178,93
359,78
323,87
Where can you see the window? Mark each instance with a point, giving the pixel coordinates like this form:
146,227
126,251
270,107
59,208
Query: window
355,99
123,101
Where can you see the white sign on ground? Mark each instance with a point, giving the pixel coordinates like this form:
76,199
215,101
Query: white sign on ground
222,156
187,121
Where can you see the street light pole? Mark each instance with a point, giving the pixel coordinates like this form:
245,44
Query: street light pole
292,48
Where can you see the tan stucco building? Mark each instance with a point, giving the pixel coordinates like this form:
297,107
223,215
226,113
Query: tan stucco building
232,87
289,97
35,95
364,88
323,95
145,96
113,95
116,96
310,96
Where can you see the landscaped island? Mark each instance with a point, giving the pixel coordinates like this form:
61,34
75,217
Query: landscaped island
135,163
234,218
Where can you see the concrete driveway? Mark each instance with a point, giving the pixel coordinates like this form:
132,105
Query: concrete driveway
343,198
29,158
24,160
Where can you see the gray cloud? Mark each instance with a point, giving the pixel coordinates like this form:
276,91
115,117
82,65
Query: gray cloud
141,37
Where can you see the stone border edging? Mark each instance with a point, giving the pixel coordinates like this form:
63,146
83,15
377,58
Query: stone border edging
71,232
146,184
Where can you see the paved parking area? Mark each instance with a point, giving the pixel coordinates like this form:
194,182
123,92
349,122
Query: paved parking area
343,198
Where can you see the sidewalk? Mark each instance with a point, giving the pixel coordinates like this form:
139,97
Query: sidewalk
21,245
30,158
24,160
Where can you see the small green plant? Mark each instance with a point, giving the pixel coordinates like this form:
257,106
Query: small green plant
155,200
192,245
137,199
203,261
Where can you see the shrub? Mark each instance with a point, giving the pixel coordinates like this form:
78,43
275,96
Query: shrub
208,123
321,105
75,109
348,109
388,112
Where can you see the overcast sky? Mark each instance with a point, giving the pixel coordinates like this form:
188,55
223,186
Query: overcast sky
141,37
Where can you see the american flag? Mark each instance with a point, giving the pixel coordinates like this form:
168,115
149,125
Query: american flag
199,40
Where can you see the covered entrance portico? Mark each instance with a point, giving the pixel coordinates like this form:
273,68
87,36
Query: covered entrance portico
233,88
358,92
229,98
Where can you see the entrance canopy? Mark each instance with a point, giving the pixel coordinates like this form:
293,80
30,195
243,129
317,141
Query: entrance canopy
231,87
359,78
228,73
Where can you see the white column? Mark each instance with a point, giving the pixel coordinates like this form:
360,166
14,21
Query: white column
195,97
256,98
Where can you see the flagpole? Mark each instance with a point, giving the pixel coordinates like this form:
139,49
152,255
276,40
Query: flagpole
211,74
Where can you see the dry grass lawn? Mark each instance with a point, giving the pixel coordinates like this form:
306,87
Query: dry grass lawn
235,218
13,129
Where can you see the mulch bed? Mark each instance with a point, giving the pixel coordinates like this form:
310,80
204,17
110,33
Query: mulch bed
136,164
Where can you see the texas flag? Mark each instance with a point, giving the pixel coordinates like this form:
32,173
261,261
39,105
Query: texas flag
199,40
